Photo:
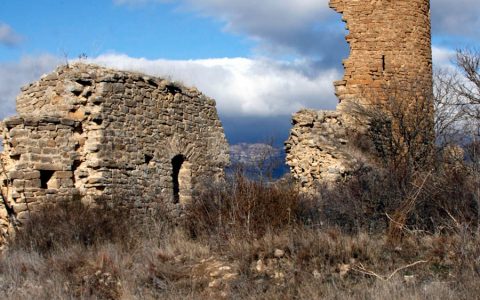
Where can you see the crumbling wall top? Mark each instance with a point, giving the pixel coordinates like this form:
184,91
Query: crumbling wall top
75,90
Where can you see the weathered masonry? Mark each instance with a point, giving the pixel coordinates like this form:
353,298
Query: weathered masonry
108,135
390,49
390,41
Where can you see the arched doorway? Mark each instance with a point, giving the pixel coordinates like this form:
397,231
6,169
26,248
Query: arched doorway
181,179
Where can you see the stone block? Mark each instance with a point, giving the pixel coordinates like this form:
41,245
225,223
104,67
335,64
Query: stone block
49,166
32,183
63,174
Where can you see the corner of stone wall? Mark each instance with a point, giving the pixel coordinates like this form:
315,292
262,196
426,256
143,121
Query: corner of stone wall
34,171
5,222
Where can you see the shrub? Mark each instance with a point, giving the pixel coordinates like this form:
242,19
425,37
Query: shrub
241,206
55,226
440,199
361,203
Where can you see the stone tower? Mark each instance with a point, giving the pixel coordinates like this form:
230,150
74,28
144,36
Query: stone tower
389,70
390,41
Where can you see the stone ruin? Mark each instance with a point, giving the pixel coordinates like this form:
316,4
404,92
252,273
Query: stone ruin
390,44
107,135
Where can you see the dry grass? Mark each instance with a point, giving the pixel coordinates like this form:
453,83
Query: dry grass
254,240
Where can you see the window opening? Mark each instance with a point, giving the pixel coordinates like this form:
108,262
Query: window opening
177,162
148,158
45,177
181,179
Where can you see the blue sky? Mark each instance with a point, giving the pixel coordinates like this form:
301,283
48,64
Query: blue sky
95,27
261,62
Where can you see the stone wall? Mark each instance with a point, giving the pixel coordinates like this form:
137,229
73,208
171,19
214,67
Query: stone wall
318,148
108,135
390,54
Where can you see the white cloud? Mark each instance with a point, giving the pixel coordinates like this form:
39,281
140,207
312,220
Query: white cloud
443,58
277,21
458,17
305,28
16,74
268,15
242,86
309,28
8,37
251,15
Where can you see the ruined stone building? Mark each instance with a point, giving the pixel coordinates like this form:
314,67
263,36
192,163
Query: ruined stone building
108,135
390,47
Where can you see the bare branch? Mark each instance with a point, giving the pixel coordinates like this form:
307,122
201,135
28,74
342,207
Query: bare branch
361,269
